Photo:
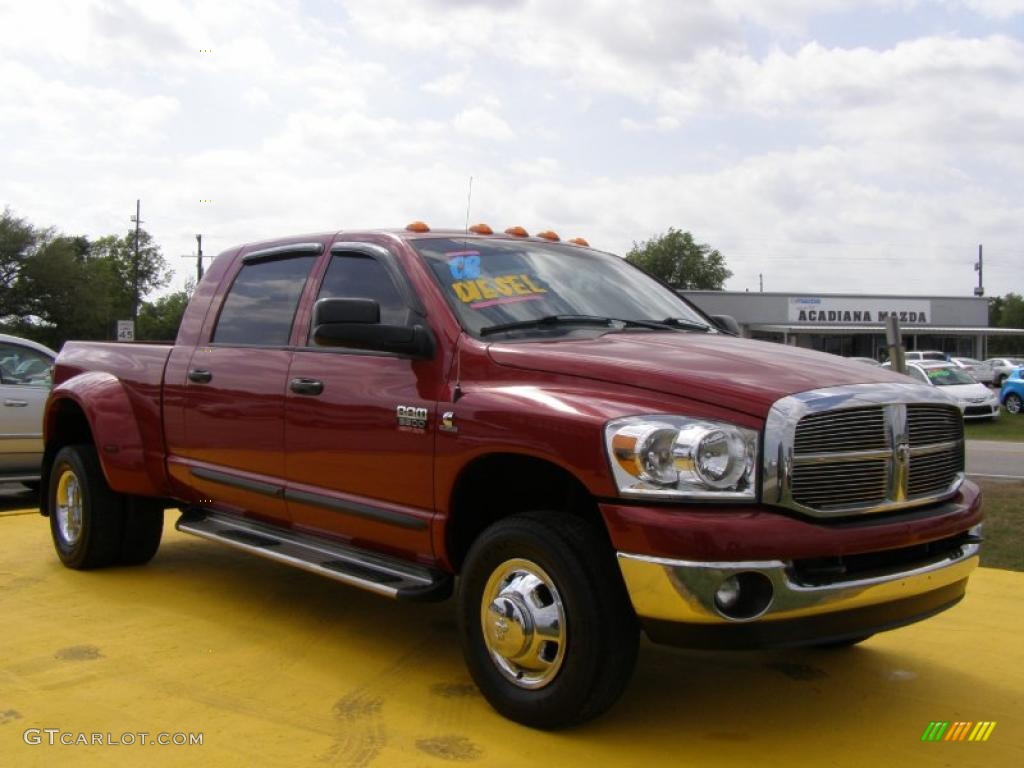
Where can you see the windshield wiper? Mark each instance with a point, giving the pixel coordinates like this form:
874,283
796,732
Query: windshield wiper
548,321
668,324
671,323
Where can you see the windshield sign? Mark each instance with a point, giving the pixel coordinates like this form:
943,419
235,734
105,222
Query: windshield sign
944,377
499,282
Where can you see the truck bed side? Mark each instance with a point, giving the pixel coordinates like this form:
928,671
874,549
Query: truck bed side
110,394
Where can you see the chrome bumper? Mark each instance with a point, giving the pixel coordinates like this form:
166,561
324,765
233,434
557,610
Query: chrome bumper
684,591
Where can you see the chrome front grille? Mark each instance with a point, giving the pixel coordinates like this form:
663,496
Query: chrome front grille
861,449
855,482
857,429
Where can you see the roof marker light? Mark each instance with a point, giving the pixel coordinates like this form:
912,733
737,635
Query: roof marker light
417,226
481,229
580,241
517,232
547,234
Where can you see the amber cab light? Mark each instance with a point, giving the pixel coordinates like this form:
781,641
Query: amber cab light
481,229
417,226
517,232
579,241
547,234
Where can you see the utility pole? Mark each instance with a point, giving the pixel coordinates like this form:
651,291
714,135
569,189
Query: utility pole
199,258
137,218
760,279
978,267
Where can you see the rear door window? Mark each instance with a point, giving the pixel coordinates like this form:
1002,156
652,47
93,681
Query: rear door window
260,307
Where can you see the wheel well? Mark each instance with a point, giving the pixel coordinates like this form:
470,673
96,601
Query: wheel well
500,485
68,426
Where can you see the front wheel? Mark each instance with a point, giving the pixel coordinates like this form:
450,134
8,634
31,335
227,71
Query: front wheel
546,625
1013,403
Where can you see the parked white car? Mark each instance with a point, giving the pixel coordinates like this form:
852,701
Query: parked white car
976,401
979,371
26,370
1002,367
927,354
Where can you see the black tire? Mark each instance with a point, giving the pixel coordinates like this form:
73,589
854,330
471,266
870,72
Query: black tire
1013,403
837,644
143,527
601,633
89,535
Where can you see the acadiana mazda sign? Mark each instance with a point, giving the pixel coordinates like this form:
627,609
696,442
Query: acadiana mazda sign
824,309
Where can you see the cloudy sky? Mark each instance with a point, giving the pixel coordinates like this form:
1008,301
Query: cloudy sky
830,145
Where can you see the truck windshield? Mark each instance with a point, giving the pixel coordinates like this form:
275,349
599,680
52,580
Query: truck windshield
510,287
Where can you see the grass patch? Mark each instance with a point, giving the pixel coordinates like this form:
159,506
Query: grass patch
1008,426
1004,524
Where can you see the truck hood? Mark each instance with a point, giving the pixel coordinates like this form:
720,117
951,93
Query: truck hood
741,374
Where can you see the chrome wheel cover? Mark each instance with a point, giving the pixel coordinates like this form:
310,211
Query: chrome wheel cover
1013,404
523,623
68,507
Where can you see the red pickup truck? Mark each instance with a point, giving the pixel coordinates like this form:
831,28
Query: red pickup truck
588,453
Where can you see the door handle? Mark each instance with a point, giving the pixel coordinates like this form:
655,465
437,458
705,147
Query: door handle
306,386
15,403
200,376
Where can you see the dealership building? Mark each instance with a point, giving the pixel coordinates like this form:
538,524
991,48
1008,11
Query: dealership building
853,325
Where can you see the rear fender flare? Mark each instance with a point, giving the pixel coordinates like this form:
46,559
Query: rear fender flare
115,430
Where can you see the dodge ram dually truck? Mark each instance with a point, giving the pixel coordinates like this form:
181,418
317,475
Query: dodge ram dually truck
585,451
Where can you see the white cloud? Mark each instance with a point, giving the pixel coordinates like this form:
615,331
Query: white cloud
451,84
611,120
482,123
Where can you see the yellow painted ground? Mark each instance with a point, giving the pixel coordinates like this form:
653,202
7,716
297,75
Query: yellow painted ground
277,667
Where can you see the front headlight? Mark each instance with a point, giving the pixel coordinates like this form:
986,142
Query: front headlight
679,457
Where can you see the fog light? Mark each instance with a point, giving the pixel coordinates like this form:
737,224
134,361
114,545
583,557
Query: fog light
728,594
744,595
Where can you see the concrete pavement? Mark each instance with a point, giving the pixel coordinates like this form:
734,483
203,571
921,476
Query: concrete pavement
995,458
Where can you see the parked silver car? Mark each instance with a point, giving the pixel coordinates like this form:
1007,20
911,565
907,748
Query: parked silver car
981,372
1002,367
26,370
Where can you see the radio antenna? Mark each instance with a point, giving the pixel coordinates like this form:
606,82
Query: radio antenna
469,200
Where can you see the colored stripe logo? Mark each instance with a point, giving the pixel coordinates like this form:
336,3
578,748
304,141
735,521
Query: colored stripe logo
958,731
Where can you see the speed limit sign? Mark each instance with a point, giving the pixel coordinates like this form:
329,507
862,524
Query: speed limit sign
125,330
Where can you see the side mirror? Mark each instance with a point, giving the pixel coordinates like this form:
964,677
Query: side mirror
727,323
355,323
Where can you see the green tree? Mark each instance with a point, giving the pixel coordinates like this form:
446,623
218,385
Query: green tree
120,251
17,241
677,259
1011,313
1006,312
61,294
159,320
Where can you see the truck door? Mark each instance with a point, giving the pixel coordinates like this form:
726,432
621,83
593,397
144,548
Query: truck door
355,470
233,447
